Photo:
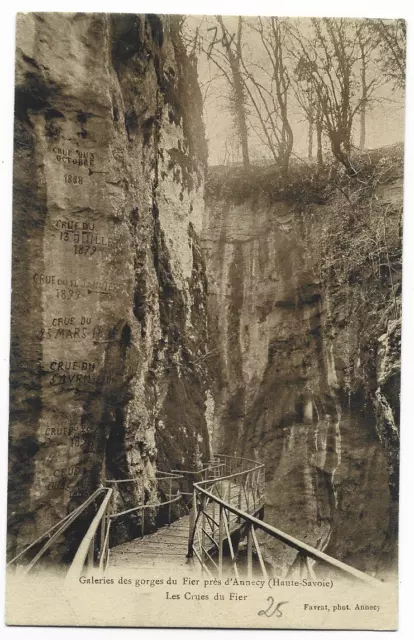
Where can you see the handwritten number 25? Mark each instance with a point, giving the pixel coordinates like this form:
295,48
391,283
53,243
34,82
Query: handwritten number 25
272,609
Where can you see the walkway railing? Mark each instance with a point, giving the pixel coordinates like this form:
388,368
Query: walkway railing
85,554
165,486
52,535
231,503
105,517
94,549
240,484
227,496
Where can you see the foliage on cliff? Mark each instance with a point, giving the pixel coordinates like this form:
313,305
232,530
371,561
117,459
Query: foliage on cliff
306,183
312,295
350,230
362,227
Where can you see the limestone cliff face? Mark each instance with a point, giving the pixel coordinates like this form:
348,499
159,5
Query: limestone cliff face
308,385
109,290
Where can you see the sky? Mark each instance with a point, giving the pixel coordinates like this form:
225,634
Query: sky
384,120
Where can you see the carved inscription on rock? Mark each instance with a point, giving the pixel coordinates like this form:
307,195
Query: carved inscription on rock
79,279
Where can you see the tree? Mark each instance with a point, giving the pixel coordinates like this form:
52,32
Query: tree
391,40
368,47
267,84
329,61
228,62
307,100
319,127
259,90
331,68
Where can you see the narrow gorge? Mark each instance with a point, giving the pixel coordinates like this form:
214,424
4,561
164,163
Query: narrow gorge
307,336
164,310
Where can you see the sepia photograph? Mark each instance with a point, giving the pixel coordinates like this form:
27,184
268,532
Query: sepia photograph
206,307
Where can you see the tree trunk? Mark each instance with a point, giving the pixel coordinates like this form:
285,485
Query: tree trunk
362,131
287,151
310,139
239,101
241,122
310,127
319,156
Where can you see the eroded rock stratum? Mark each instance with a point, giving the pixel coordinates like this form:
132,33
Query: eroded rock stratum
305,298
109,302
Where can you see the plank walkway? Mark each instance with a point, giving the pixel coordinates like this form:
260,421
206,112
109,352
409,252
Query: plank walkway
167,547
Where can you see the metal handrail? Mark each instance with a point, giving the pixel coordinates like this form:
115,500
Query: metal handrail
251,522
222,455
189,472
239,478
162,475
85,546
229,477
147,505
165,475
105,547
301,547
102,518
61,526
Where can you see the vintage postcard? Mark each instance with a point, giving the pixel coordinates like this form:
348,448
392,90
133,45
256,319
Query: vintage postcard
206,321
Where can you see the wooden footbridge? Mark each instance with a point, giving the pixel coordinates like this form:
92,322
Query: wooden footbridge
224,502
207,529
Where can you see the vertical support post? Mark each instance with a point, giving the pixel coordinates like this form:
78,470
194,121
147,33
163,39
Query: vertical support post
311,573
113,498
254,488
143,512
221,540
260,487
170,505
192,519
91,553
302,566
104,524
212,523
240,481
203,525
249,551
263,485
259,554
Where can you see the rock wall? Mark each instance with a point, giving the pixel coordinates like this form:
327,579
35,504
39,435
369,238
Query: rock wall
302,315
109,289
